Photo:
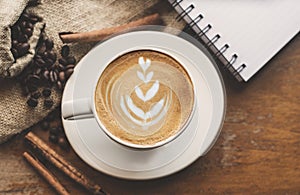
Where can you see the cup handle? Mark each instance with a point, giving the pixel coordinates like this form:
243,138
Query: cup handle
77,109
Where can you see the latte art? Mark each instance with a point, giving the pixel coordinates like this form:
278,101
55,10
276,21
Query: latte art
157,111
144,97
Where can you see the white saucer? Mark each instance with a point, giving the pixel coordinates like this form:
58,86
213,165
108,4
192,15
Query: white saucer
100,152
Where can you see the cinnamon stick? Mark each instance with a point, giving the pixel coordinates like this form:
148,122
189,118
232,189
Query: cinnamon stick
51,179
98,35
59,162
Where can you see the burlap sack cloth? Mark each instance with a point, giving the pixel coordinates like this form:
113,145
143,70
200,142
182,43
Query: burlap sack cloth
59,16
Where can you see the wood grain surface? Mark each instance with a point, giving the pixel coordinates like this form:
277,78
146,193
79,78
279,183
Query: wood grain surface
258,150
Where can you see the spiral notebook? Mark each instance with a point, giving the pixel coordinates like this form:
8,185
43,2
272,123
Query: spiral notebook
244,34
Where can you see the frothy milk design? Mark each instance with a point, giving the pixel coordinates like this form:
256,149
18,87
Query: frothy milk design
144,97
158,110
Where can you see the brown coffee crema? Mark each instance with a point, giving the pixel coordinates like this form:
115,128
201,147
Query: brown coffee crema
144,97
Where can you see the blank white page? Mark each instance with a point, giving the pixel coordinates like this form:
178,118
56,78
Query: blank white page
255,30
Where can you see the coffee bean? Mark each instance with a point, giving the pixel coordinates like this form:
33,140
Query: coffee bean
48,103
62,142
23,38
49,62
25,16
69,72
71,60
59,85
45,55
14,43
61,139
33,79
45,125
32,102
63,61
70,66
60,129
60,67
46,92
54,131
32,88
22,48
37,71
25,47
23,24
19,45
53,76
28,32
65,50
43,37
41,49
49,44
18,29
61,76
19,35
33,19
51,55
53,138
46,74
15,53
37,56
29,25
36,95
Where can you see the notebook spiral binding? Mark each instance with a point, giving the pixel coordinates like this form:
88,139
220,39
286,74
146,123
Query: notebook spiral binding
209,42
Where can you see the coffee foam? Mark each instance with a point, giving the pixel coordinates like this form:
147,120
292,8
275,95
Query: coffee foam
144,97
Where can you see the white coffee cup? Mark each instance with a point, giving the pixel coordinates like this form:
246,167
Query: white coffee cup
81,109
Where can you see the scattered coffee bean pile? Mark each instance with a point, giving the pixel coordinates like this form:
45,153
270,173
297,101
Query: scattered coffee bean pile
55,129
21,32
65,67
44,72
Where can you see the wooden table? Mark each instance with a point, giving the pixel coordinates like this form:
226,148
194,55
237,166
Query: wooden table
258,150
